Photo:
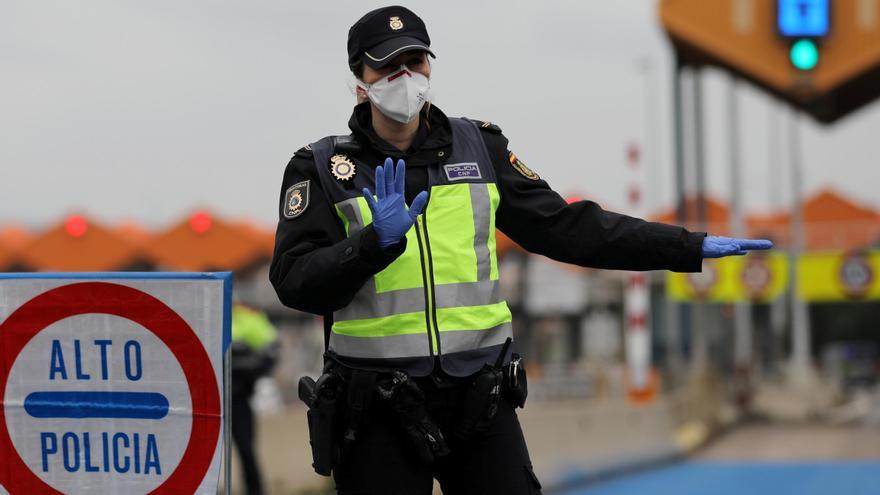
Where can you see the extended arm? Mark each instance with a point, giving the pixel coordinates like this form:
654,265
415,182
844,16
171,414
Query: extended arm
583,233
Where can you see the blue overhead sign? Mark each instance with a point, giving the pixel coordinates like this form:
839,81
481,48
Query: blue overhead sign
803,18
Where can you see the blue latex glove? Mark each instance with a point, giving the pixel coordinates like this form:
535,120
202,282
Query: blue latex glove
718,247
391,218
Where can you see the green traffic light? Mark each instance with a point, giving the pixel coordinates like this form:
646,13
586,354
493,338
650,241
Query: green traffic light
804,55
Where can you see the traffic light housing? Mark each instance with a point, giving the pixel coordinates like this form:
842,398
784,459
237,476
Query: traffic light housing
803,18
804,23
821,56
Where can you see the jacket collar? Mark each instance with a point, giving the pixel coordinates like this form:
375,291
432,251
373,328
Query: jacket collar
434,133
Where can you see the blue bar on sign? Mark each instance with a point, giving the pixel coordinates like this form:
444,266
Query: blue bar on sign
130,405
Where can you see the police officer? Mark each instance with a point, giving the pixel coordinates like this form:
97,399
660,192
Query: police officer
410,294
254,354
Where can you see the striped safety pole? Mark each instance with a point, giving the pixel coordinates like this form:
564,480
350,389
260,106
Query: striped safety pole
640,379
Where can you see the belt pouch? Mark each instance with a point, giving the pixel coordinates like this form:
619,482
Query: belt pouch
480,402
515,387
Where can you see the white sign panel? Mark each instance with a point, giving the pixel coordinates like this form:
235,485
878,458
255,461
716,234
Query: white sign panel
112,383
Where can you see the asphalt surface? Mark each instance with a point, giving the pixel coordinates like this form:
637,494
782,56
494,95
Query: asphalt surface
766,459
737,478
560,434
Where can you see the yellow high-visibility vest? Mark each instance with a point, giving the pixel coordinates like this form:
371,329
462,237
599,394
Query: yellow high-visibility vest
441,297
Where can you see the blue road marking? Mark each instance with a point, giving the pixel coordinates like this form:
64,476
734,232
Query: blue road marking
753,478
81,404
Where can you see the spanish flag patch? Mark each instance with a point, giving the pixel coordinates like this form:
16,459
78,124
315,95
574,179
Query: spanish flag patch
521,167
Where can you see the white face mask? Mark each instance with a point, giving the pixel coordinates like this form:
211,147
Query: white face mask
400,95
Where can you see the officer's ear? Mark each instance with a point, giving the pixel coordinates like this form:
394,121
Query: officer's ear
357,71
360,94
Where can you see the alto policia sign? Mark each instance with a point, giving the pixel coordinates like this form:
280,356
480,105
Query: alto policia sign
112,383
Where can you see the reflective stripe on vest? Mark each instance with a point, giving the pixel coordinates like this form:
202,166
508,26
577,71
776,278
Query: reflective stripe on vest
392,315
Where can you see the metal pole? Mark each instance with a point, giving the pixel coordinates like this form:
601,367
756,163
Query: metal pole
775,167
774,148
651,149
651,169
699,150
699,337
742,309
681,214
676,312
227,421
800,334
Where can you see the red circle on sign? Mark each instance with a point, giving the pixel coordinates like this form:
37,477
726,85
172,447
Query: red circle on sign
757,275
856,275
151,313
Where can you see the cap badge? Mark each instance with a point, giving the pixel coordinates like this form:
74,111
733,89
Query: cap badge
395,23
342,167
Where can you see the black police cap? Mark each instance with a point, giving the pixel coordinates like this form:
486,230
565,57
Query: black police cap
382,34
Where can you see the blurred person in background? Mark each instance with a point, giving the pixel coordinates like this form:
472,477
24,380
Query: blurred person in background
419,381
254,354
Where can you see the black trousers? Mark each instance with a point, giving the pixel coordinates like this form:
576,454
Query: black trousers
382,462
244,436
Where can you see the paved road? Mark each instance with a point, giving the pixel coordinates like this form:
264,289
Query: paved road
560,434
765,459
737,478
772,442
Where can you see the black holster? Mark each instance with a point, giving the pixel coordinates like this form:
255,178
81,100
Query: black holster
324,399
408,402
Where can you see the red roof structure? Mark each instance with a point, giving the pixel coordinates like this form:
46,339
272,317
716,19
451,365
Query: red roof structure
831,222
15,236
79,244
717,216
7,257
264,236
203,242
134,233
12,239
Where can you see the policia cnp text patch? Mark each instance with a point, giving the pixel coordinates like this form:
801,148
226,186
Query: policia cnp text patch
296,199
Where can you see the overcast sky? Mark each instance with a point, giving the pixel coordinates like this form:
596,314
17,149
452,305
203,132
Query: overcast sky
145,110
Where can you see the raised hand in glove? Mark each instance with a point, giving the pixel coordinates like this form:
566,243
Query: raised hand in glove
391,218
719,247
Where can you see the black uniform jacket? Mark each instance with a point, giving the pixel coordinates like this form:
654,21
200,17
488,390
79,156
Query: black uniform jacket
317,269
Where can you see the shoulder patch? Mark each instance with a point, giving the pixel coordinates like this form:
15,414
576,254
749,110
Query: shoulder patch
296,199
520,167
488,126
304,152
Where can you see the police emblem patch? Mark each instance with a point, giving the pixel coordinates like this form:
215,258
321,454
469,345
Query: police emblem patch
296,199
395,23
342,167
521,167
